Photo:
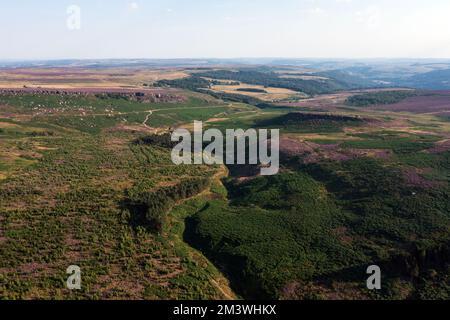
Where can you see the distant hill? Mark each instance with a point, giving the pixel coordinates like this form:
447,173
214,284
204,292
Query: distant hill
434,80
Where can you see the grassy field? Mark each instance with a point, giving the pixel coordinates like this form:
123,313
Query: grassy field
314,229
64,191
367,187
72,78
75,196
263,93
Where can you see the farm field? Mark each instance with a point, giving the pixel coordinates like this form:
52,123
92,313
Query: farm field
260,92
73,78
86,178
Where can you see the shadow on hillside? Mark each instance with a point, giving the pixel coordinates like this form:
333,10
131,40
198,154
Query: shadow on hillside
232,266
137,214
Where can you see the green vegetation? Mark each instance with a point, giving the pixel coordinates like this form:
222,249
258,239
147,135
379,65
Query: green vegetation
321,220
193,83
379,98
445,117
94,113
270,79
233,97
395,142
151,208
198,82
255,90
69,203
311,122
161,140
283,232
82,181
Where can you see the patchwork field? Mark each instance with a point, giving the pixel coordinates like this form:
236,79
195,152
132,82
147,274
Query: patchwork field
260,92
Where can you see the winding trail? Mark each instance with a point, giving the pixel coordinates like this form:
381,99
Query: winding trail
150,112
218,280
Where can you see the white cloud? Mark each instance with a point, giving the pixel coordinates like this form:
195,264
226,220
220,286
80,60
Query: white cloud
371,17
314,12
133,5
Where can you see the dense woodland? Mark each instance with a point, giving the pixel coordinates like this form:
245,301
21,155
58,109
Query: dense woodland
379,98
327,218
269,79
299,121
255,77
151,208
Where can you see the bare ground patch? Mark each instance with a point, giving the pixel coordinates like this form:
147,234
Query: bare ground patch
413,177
440,147
335,290
2,237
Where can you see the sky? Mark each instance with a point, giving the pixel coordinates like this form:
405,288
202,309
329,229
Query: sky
93,29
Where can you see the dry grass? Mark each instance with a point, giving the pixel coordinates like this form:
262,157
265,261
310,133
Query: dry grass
7,125
271,94
64,78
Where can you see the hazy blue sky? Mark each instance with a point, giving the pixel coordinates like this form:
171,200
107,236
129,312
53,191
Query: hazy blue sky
31,29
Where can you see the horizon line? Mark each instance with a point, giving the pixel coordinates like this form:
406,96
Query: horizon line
216,58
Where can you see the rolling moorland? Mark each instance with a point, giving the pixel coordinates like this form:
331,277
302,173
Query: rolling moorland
86,179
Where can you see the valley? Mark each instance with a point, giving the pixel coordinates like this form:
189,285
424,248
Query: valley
86,178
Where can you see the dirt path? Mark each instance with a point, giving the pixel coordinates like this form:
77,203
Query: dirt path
224,289
219,281
150,112
119,113
222,284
